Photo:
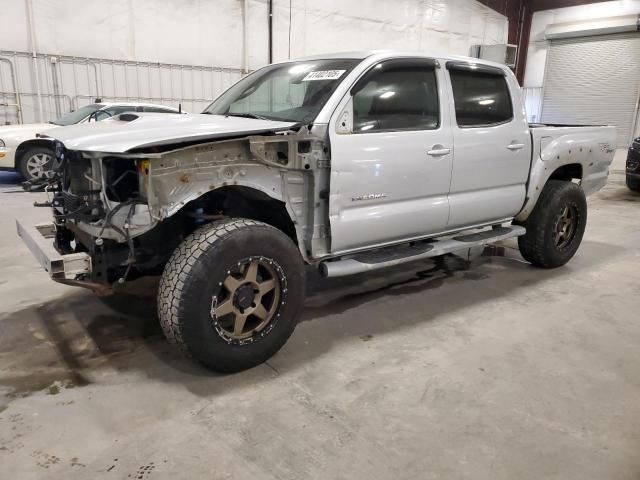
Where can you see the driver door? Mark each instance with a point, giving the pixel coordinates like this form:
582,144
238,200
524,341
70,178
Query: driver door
391,156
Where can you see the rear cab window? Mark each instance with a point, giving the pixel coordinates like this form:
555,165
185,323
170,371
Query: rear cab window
480,94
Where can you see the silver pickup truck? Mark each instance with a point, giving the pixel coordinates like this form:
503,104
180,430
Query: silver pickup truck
348,162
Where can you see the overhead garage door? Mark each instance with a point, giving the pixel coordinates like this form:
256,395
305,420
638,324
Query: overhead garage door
593,80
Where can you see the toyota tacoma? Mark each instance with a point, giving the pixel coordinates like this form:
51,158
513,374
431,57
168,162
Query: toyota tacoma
348,163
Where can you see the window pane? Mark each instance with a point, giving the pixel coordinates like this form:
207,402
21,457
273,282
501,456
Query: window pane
113,111
480,98
77,115
294,91
122,109
403,98
275,95
158,110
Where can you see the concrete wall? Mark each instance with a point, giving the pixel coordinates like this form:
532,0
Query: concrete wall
539,47
210,33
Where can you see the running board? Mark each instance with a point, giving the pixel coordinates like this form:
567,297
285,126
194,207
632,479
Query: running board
397,255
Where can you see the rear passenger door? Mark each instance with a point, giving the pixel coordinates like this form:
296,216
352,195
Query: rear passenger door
492,146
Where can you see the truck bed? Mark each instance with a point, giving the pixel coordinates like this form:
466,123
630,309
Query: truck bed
588,149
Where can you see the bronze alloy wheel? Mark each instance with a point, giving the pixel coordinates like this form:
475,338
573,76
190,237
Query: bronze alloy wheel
247,303
252,279
556,225
565,226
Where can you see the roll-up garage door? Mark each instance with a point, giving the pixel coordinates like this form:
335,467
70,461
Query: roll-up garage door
594,81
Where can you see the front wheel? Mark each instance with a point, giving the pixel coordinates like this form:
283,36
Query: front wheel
556,225
231,294
34,163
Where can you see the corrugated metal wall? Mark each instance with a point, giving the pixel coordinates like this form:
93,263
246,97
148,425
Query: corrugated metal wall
594,80
70,82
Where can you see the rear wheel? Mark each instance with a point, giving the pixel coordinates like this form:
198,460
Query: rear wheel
34,163
556,225
231,294
633,184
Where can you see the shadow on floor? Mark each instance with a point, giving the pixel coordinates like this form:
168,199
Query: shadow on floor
10,178
69,339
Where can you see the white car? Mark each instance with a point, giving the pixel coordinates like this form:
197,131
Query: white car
21,149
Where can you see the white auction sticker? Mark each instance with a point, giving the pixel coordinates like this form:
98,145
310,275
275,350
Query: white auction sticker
323,75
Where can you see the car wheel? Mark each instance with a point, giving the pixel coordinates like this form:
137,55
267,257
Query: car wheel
556,225
231,294
34,163
633,184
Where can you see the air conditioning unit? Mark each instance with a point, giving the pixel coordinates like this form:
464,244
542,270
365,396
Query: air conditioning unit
501,53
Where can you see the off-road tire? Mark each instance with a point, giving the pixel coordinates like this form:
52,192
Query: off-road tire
194,274
537,245
21,166
633,184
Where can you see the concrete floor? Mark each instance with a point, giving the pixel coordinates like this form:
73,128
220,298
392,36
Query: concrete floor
500,372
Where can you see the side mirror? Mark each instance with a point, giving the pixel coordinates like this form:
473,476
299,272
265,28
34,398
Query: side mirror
344,124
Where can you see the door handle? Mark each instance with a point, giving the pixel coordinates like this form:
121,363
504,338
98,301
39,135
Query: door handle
515,146
438,152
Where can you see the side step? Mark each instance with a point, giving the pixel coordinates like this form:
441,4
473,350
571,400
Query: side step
399,254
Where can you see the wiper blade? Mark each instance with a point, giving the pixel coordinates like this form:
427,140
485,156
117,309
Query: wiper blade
246,115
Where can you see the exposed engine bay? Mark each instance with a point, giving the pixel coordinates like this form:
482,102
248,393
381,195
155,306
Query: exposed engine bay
129,211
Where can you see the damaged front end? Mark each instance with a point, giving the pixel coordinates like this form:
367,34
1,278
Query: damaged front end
97,212
117,217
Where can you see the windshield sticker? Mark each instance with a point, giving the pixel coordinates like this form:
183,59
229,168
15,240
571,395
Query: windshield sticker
323,75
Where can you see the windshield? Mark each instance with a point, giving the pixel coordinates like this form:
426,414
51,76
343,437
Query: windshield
293,92
77,115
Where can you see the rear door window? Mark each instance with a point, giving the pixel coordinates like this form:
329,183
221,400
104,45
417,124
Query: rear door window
481,99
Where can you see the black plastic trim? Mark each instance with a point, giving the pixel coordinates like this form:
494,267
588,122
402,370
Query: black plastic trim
394,63
474,67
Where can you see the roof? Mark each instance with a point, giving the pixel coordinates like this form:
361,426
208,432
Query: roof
355,54
382,54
